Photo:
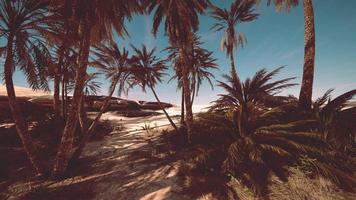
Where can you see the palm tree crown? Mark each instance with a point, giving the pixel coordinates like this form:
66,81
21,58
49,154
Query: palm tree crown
114,64
240,11
181,17
21,23
148,68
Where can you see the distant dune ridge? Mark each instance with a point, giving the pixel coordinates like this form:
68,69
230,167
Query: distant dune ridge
23,92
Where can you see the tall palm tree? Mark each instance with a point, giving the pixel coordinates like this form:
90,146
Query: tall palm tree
61,37
178,75
97,20
148,71
240,11
67,76
306,90
115,65
202,62
20,24
181,20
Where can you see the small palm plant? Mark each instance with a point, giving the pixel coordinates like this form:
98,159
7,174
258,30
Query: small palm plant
336,119
148,71
261,139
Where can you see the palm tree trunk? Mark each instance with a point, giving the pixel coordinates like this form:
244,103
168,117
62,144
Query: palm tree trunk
193,92
306,90
83,118
233,69
20,123
164,110
67,102
187,93
182,121
57,80
56,101
66,146
91,129
63,98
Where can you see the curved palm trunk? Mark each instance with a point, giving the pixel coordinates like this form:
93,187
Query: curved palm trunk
66,146
164,110
182,121
187,98
306,90
20,123
90,130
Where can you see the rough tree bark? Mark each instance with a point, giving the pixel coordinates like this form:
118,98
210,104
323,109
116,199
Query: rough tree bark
66,146
306,90
232,63
187,93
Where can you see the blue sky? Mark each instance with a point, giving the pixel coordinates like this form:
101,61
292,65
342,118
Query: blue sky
274,39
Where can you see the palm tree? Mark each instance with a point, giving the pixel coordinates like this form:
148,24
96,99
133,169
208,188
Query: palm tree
306,90
148,71
97,20
178,75
202,61
115,65
240,11
61,36
243,97
20,24
67,76
336,119
264,139
92,87
181,20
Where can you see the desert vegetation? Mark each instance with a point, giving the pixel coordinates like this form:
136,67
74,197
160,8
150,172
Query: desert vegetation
250,137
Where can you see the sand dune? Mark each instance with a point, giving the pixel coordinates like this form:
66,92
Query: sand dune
22,92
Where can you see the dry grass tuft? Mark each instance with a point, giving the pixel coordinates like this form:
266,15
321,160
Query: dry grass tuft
299,186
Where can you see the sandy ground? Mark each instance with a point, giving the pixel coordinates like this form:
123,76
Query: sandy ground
124,165
139,172
22,92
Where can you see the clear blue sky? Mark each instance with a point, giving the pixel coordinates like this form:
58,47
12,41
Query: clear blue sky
274,39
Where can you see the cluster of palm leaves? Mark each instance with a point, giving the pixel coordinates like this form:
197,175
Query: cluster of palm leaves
257,139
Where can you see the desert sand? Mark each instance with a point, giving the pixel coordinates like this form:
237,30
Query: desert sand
23,92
